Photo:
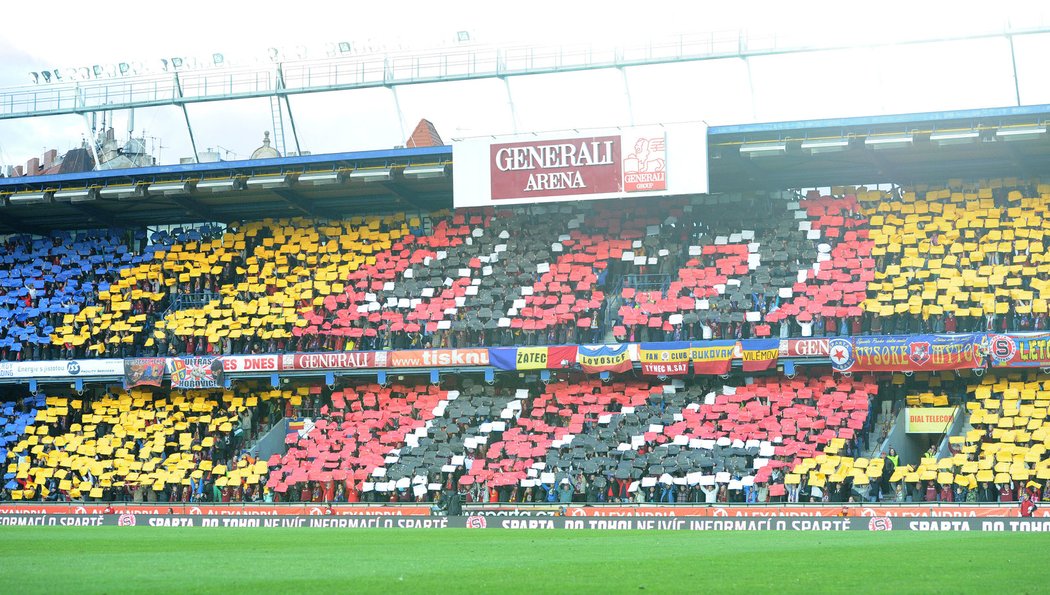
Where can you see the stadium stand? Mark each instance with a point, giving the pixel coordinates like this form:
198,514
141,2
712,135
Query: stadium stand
624,440
963,257
771,265
143,446
15,417
354,434
651,271
45,281
238,291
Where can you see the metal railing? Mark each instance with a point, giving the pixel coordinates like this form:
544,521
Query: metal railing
407,67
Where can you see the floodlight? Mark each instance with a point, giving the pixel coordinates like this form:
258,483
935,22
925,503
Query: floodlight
763,149
1020,133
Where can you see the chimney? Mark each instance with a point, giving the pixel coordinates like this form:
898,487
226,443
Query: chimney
49,158
19,172
33,166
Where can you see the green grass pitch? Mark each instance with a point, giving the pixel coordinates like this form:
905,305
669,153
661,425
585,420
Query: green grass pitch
143,559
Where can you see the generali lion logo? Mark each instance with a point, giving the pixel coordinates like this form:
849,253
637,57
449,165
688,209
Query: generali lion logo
880,524
126,519
476,522
644,167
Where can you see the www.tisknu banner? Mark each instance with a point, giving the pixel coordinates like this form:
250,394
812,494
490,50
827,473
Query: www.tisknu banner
906,353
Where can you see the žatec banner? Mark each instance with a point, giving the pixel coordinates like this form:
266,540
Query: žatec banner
533,358
906,353
607,163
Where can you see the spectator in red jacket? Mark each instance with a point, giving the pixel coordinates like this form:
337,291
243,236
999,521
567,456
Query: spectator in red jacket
1028,506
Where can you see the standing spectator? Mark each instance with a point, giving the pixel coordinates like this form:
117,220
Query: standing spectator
1028,506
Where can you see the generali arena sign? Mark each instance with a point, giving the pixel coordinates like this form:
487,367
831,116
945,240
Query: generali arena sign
657,160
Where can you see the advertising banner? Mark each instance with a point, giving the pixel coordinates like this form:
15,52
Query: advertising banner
906,353
330,519
759,354
337,360
62,368
804,348
213,509
713,357
556,167
430,358
251,363
144,371
1019,350
928,420
570,165
664,359
195,372
604,358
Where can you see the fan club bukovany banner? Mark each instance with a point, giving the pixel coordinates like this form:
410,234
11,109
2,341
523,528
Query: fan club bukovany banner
195,372
604,358
906,353
664,359
1019,350
713,357
533,358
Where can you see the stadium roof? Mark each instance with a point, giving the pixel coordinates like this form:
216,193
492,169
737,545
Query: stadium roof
923,147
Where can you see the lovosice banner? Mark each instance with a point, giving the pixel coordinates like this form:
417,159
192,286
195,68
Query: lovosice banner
604,358
906,353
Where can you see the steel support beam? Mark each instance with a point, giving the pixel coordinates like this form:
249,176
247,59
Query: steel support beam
295,200
98,214
406,196
193,207
291,122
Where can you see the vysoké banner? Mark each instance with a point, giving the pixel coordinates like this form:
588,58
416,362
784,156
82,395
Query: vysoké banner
906,353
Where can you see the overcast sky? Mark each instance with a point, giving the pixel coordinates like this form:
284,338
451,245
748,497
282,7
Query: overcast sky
854,82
